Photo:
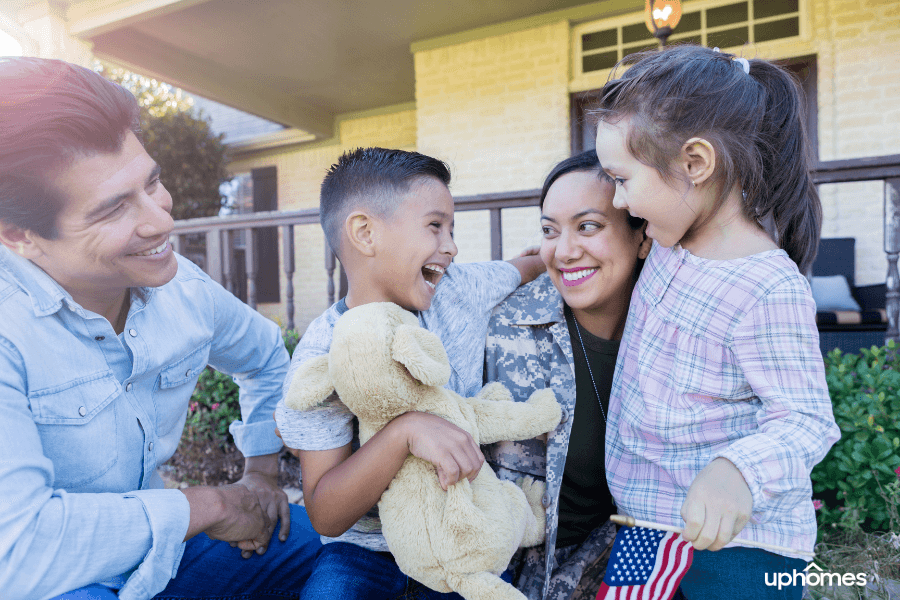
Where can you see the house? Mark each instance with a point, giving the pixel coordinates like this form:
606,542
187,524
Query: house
497,89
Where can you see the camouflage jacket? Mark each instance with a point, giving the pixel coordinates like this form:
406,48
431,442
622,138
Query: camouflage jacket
528,348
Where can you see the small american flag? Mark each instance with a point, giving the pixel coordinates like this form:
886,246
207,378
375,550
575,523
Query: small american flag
645,564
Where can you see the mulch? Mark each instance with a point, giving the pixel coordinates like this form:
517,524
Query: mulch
203,462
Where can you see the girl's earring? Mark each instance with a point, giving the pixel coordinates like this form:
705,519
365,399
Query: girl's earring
693,183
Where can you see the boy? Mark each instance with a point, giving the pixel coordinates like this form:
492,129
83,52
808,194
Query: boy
388,215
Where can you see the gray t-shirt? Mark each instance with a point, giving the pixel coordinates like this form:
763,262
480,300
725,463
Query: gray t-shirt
459,315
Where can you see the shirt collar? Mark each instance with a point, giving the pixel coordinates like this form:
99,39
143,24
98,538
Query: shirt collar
47,296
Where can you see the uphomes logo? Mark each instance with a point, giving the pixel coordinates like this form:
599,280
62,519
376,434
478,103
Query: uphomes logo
814,576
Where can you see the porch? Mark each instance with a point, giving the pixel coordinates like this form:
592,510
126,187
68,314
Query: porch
220,258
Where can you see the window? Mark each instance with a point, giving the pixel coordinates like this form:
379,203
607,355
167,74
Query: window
600,45
254,192
584,130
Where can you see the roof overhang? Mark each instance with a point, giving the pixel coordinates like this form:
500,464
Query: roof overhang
301,63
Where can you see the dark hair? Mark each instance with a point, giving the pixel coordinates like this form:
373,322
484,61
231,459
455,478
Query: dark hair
52,112
754,122
375,179
586,161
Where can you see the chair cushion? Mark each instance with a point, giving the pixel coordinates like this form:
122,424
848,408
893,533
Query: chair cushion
832,294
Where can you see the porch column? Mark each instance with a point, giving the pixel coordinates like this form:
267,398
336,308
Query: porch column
892,249
44,22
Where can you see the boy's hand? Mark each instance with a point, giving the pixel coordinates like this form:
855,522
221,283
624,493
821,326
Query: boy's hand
529,264
450,449
717,507
531,251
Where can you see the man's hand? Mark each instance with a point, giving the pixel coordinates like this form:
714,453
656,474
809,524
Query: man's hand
717,507
450,449
230,513
261,478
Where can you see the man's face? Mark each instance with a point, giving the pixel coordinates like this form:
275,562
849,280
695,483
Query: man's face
113,228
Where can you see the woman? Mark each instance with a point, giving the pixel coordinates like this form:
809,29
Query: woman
539,337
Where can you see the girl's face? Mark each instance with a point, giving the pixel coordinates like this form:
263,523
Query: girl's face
670,210
588,247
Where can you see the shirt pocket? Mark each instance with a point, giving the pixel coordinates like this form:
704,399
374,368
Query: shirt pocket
176,384
78,429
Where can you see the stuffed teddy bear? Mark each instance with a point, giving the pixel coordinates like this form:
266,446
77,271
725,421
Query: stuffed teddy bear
383,364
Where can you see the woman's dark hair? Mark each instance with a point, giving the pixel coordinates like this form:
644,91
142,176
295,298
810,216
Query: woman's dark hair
52,112
586,161
753,120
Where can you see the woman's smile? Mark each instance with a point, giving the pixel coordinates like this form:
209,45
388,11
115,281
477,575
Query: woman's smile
577,276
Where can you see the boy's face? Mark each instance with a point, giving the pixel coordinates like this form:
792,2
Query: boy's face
415,246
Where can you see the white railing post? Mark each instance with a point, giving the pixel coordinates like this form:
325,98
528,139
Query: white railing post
892,249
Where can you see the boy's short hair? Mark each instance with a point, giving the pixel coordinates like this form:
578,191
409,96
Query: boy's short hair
374,179
52,112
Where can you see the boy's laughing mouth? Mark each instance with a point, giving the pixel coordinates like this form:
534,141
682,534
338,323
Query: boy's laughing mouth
432,273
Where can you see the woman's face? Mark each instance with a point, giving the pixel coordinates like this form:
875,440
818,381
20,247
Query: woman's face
588,247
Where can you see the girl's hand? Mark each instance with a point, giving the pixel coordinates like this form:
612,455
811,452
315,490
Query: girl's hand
717,507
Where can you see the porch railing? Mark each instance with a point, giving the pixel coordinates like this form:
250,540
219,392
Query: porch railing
218,231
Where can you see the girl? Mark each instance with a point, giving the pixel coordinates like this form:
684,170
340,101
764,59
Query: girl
719,407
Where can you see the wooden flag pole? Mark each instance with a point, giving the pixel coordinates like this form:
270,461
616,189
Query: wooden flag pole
632,522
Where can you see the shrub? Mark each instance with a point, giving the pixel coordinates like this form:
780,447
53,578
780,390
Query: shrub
214,403
857,481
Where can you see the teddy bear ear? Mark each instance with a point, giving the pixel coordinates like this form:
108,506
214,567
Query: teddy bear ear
422,353
311,384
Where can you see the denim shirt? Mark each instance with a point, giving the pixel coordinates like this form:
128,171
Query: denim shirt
87,416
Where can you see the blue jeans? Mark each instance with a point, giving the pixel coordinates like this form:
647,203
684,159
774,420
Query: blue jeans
213,569
738,573
350,572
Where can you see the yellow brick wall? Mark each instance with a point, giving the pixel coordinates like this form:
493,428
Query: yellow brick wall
857,43
497,111
300,172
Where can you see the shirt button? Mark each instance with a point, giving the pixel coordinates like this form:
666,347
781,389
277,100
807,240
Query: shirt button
187,373
82,411
100,338
132,332
565,416
128,387
545,500
150,447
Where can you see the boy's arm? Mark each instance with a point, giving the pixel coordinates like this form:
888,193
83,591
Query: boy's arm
339,487
529,264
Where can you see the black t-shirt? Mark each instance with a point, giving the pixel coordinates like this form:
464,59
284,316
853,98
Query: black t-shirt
584,499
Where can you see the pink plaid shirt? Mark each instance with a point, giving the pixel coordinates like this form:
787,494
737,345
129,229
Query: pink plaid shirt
720,358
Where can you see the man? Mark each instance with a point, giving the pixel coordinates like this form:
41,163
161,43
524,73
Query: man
103,333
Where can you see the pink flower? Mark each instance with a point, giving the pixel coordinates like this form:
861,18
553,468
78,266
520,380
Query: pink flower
193,406
215,405
897,471
817,504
